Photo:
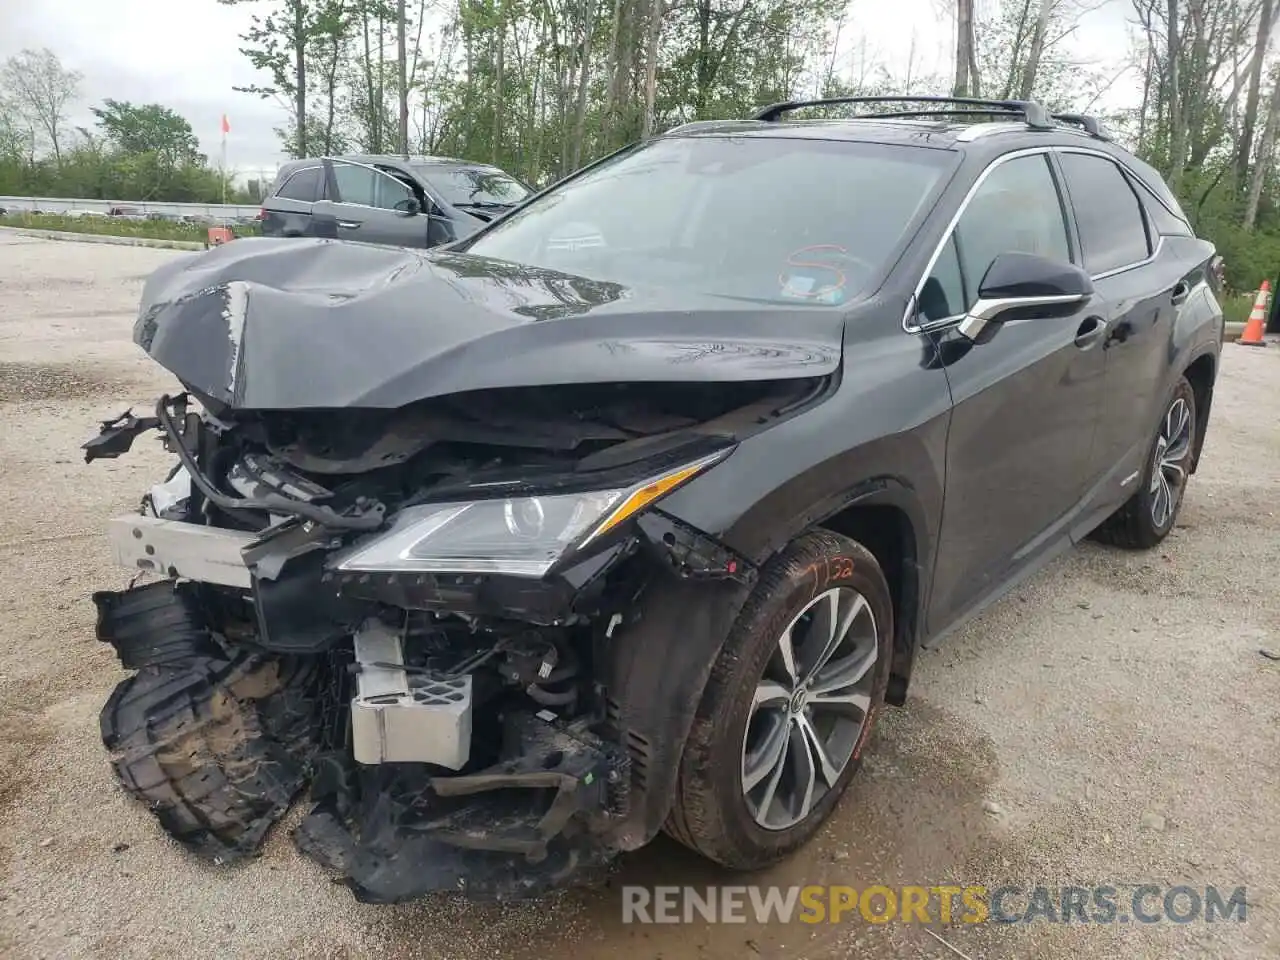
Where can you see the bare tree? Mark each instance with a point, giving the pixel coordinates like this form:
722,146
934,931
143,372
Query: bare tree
499,82
402,78
967,83
1032,66
1244,145
584,80
40,91
1266,152
653,34
1177,108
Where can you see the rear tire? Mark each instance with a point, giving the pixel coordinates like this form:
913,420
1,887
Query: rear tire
1148,516
746,795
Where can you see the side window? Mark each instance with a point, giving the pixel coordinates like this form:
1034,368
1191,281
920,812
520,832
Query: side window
388,190
942,295
303,185
1113,231
368,187
1164,222
1017,209
355,184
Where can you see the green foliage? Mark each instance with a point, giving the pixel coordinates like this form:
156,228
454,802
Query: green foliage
149,129
92,172
1236,308
138,151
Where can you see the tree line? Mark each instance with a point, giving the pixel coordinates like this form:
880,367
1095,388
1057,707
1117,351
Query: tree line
132,151
540,87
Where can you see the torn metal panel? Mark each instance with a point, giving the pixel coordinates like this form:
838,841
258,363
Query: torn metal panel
117,436
234,313
297,323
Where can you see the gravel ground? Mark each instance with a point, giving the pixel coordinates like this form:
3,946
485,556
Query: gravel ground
1112,722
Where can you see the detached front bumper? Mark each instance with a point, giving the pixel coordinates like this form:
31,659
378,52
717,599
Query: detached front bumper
394,823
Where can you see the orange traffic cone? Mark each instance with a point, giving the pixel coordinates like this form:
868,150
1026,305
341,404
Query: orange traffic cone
1254,329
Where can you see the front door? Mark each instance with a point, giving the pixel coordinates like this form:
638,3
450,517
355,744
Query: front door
1026,404
1140,297
373,206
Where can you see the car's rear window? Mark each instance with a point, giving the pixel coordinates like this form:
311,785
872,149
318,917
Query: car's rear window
467,185
765,218
303,185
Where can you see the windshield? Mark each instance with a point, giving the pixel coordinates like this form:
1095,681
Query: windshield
766,218
462,185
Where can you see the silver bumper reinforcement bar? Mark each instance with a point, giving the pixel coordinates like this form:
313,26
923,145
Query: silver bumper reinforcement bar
175,549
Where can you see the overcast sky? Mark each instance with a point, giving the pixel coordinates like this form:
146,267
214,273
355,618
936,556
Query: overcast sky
185,54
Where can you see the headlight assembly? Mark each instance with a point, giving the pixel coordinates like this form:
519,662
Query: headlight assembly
519,536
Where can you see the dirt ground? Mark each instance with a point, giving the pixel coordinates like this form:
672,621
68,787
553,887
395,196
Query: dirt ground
1112,722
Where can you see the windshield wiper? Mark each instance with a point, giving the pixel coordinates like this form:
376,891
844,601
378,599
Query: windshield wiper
483,204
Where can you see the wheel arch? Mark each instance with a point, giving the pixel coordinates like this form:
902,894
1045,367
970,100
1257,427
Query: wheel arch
1201,373
658,663
887,530
887,495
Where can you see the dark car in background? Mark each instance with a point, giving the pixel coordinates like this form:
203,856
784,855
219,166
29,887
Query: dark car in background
413,202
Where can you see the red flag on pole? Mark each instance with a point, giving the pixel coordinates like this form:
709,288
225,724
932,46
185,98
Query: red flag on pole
226,125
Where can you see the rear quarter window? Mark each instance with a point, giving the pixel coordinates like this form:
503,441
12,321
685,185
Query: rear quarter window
303,185
1113,229
1164,222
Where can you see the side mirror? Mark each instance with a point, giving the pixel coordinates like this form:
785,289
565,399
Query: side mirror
1024,285
408,207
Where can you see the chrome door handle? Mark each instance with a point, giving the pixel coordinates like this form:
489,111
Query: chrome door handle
349,224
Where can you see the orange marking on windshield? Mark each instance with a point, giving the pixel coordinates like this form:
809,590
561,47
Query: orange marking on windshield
791,261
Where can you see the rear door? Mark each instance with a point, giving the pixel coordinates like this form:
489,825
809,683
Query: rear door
1138,294
369,204
288,211
1025,404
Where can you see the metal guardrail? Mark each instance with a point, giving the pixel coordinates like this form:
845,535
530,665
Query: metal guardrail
72,206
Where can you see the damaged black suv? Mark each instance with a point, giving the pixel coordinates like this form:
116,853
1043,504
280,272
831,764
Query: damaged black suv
630,512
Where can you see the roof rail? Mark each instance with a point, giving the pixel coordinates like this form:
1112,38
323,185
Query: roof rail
1092,125
1035,115
1032,113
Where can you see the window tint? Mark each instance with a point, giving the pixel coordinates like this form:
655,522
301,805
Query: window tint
389,190
368,187
770,219
1162,219
303,185
1112,231
942,295
1151,181
1016,210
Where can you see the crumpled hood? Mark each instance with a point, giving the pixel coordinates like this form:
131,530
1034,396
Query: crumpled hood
272,324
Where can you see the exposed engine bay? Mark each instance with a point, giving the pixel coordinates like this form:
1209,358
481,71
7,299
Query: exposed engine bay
409,610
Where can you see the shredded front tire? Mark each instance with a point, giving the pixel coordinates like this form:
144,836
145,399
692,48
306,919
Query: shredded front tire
193,742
